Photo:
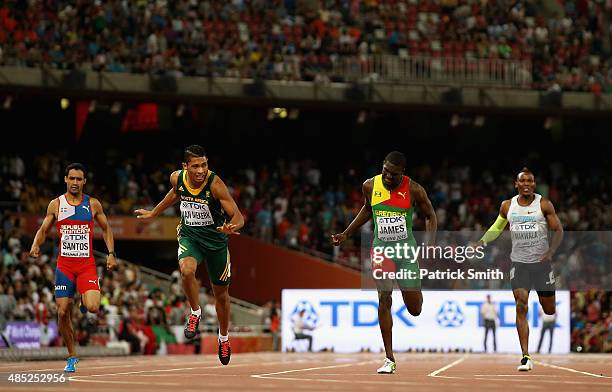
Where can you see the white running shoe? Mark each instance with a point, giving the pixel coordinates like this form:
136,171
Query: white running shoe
526,364
387,368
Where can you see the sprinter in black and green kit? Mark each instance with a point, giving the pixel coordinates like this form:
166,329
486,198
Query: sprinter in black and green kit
208,215
390,198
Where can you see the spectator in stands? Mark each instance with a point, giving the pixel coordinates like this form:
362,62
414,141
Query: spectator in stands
129,332
156,318
275,320
209,314
179,311
7,308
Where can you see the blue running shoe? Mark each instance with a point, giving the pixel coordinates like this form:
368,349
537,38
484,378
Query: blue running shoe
71,365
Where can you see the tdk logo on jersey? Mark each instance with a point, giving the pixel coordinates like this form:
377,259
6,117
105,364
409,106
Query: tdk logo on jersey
523,226
311,317
450,315
391,220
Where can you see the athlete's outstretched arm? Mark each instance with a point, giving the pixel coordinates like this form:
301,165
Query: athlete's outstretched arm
221,193
554,224
166,202
424,205
364,215
100,217
41,234
498,227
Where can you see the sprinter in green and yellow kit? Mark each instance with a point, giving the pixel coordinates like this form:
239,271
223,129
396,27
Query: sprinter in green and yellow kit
208,215
390,199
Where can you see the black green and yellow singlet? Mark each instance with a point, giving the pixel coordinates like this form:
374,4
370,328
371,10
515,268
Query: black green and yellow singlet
201,213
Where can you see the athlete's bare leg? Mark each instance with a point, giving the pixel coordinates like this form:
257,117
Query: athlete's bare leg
188,266
64,318
521,297
385,320
413,299
222,305
548,303
91,300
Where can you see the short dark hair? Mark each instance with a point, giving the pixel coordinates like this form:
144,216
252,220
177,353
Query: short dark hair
526,171
75,166
396,158
193,151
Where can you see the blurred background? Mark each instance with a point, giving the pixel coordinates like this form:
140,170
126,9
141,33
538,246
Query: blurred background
296,103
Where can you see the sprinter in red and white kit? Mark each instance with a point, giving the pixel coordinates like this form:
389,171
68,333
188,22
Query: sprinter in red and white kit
76,266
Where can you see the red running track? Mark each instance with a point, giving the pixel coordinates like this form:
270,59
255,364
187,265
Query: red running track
327,372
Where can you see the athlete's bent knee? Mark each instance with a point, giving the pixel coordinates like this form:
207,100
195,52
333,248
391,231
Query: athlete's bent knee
522,308
187,272
93,308
415,310
549,309
414,304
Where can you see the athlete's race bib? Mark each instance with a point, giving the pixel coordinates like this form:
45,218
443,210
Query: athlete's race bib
75,241
524,233
196,214
391,228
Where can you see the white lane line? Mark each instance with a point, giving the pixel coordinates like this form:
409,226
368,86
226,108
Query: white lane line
171,384
139,372
532,381
191,374
136,372
373,374
450,365
266,375
378,382
550,365
523,374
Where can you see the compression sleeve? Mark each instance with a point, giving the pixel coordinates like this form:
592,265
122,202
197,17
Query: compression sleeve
495,230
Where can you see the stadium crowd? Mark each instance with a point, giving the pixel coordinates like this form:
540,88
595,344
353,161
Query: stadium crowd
567,42
591,321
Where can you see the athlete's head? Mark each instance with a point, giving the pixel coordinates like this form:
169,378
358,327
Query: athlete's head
196,163
75,177
525,182
393,169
